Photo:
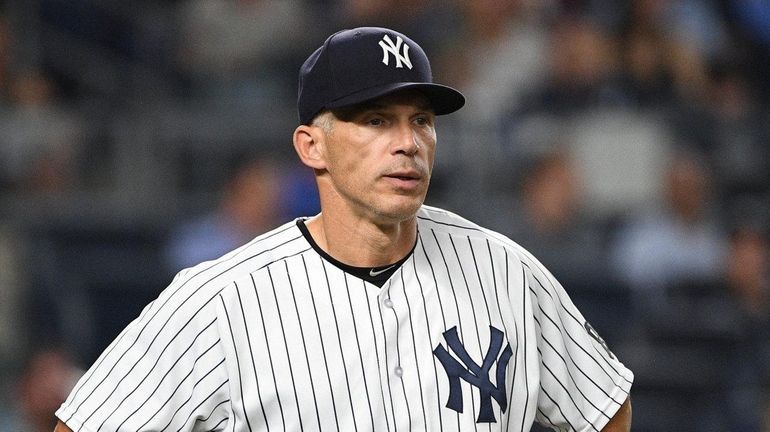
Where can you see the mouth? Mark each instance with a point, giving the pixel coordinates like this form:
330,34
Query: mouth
405,176
409,179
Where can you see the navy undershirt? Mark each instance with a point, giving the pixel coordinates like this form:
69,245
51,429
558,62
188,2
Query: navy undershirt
374,275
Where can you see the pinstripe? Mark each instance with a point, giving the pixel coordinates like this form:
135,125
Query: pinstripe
205,419
342,352
237,360
565,331
360,355
192,393
513,379
446,224
454,294
414,348
379,364
574,318
524,330
478,275
483,294
286,347
571,315
506,334
251,354
569,395
556,351
269,355
400,363
199,355
387,365
304,345
435,280
601,367
558,407
555,377
142,357
580,346
494,283
470,296
162,307
102,358
441,308
323,349
505,329
220,422
451,284
428,331
283,258
473,306
162,405
189,347
192,412
548,419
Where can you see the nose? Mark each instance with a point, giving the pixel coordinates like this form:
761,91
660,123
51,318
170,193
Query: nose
406,140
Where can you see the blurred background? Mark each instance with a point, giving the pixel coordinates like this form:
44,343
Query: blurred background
625,143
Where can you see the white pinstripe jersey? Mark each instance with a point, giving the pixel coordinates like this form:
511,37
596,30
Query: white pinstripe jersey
470,333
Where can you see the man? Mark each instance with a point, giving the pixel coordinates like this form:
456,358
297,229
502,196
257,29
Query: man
379,313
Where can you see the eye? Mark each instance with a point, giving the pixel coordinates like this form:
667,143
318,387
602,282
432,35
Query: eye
423,120
375,121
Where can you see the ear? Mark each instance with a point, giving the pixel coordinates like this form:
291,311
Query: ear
309,145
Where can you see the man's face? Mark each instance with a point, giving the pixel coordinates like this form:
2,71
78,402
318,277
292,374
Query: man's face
379,157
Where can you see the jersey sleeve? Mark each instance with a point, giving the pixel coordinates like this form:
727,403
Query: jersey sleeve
165,371
582,383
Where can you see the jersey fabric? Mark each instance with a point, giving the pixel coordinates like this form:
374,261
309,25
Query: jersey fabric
469,333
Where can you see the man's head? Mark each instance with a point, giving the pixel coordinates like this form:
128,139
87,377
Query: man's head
367,106
353,66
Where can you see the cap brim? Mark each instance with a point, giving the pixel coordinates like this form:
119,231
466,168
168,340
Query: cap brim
443,99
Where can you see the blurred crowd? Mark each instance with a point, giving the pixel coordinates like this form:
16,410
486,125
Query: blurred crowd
625,143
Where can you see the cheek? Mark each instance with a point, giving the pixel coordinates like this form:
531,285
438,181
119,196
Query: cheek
427,137
346,161
350,170
430,151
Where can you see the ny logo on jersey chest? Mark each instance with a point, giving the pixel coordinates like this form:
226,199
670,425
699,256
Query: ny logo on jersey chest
474,374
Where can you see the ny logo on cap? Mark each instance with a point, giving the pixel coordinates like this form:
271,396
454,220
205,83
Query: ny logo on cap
393,48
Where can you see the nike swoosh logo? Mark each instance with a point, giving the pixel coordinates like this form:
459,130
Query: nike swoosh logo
374,272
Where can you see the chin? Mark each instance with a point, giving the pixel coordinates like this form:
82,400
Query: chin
399,212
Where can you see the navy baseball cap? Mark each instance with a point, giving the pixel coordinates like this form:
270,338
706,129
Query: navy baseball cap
360,64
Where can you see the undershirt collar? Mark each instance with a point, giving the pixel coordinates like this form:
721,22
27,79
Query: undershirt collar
374,275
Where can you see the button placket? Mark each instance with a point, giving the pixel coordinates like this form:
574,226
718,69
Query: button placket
394,371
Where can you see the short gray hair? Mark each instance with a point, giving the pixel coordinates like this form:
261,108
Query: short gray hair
324,120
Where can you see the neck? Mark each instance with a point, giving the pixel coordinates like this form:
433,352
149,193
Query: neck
363,243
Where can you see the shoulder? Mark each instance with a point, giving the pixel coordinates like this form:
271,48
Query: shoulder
435,220
212,276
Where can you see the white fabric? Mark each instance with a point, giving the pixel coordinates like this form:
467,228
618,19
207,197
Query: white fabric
273,337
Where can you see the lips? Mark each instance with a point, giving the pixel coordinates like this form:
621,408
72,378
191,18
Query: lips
404,179
405,175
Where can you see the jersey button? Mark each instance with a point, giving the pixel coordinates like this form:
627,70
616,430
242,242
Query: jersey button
388,303
398,371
